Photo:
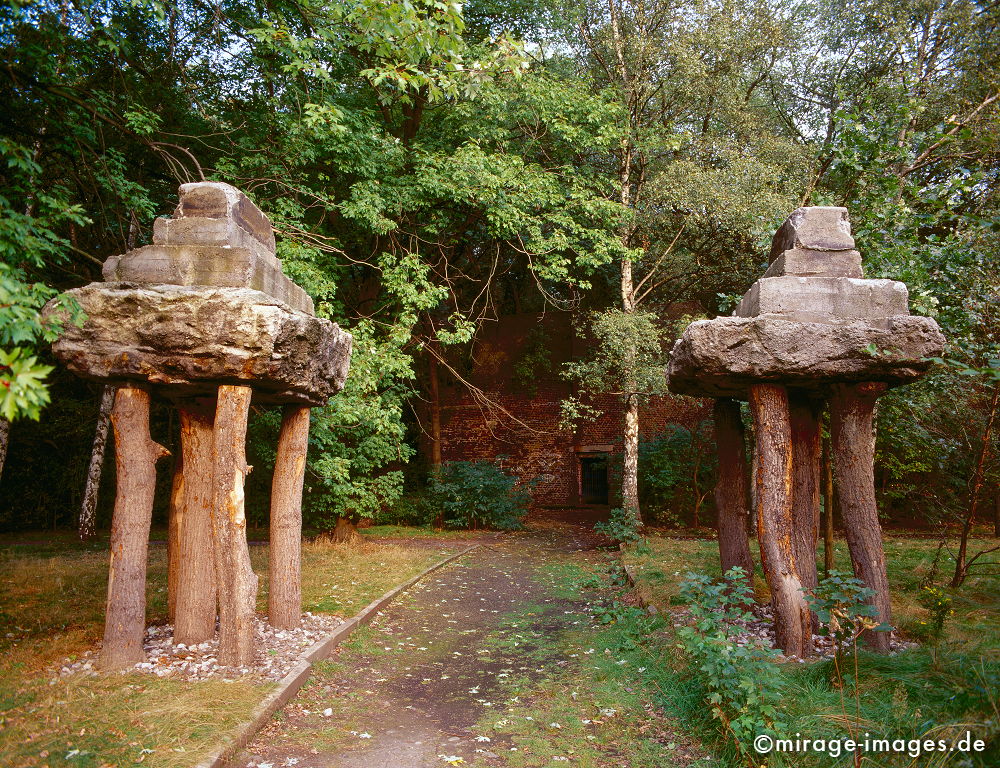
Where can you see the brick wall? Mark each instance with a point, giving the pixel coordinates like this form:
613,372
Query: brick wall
517,417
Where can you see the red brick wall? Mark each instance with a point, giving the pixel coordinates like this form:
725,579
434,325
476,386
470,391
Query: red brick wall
521,423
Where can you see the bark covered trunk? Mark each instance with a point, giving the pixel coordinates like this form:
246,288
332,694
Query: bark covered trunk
731,492
136,455
88,509
804,415
175,520
774,489
284,600
852,408
630,470
196,576
235,579
828,506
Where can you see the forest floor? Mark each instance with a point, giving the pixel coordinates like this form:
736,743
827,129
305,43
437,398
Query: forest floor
52,591
507,657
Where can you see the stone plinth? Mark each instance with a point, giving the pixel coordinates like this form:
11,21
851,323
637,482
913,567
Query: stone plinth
187,341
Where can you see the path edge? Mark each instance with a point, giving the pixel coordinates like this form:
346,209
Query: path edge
296,677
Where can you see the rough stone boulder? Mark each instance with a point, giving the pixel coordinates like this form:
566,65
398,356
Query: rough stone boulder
724,356
187,340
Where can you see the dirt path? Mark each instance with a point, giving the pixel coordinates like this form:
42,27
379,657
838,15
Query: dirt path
415,688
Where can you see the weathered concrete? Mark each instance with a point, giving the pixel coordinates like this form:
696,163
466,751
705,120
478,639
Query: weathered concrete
188,340
825,299
217,237
815,228
806,263
722,357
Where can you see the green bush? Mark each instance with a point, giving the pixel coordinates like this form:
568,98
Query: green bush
621,527
476,494
743,684
677,475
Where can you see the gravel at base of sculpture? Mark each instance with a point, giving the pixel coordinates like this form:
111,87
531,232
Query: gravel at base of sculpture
280,650
186,340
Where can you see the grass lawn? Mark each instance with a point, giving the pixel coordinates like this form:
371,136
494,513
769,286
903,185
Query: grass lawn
52,592
936,690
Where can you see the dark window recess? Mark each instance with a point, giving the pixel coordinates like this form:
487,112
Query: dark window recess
594,479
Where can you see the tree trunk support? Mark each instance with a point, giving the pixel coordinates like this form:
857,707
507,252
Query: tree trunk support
804,414
196,576
732,497
852,408
237,583
284,602
774,492
136,455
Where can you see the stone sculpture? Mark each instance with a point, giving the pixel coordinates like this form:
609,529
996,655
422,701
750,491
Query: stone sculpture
811,331
205,318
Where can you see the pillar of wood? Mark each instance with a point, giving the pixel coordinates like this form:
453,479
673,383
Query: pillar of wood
731,493
175,520
852,408
136,455
236,581
773,486
805,418
196,583
284,600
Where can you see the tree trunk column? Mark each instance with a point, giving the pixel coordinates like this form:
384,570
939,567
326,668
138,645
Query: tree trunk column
196,578
731,492
804,414
135,461
630,470
88,508
284,602
773,481
237,583
852,408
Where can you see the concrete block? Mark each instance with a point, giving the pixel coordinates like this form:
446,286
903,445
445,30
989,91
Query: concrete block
215,200
825,299
806,263
814,228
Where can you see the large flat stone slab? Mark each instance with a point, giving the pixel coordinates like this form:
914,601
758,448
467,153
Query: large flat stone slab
724,356
825,299
185,341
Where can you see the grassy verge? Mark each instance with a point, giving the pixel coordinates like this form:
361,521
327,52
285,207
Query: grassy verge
52,595
937,690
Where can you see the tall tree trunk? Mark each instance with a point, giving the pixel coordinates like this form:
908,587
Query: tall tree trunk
136,455
4,442
236,581
630,471
196,572
852,408
731,492
175,520
828,506
88,510
804,415
774,493
284,598
961,561
996,509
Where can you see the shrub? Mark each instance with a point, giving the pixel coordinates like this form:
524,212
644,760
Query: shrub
476,494
742,680
621,528
677,474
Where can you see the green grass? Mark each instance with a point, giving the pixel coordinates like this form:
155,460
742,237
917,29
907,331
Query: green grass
935,690
415,532
52,592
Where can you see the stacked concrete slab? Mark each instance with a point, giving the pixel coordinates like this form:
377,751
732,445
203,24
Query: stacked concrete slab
206,304
810,321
